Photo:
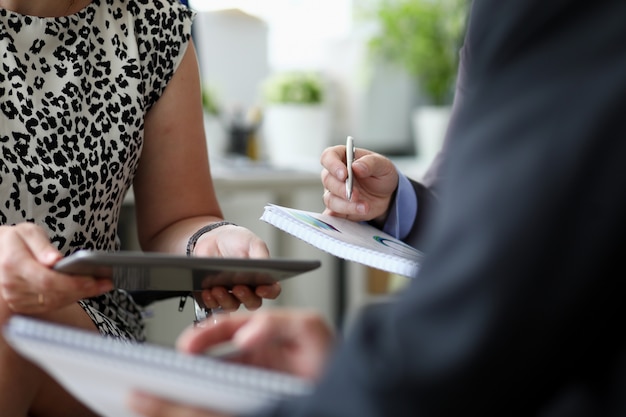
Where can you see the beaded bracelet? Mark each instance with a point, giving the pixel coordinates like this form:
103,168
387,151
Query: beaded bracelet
191,244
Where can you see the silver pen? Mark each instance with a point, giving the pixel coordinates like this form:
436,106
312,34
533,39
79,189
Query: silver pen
350,150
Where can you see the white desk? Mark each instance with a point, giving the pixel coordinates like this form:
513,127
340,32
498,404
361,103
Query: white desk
237,176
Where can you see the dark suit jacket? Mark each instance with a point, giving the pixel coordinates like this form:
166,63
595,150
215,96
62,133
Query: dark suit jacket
428,188
519,308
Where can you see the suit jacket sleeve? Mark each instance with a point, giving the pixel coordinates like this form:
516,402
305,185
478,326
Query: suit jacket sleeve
426,204
428,188
516,310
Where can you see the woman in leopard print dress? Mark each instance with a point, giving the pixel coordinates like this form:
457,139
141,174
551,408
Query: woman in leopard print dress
96,96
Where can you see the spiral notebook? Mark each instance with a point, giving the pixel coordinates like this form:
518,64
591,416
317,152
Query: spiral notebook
346,239
101,372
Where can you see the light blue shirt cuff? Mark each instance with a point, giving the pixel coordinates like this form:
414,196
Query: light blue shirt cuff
403,210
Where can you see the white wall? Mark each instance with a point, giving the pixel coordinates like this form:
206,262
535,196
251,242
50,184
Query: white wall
370,101
233,53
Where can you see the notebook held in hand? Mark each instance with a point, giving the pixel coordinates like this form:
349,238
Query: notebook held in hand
101,372
353,241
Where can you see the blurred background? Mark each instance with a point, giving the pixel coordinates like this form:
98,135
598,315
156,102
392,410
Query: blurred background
284,79
369,90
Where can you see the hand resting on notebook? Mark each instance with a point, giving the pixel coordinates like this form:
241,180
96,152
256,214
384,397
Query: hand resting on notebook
293,341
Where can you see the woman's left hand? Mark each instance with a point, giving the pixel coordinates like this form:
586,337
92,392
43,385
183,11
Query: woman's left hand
230,241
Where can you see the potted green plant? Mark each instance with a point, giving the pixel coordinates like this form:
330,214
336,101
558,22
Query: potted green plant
294,87
424,38
296,121
210,101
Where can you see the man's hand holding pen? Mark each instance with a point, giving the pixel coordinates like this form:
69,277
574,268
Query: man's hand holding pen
359,184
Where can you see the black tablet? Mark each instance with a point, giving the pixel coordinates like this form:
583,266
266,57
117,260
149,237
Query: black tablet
149,271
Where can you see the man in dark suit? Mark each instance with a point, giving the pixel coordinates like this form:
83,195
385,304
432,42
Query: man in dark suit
383,196
518,308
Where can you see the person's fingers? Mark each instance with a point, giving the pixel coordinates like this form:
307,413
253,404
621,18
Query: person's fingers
151,406
333,184
269,292
225,299
247,297
325,177
50,290
30,287
333,157
338,206
269,327
368,164
145,405
74,288
379,172
260,330
297,342
196,339
26,303
375,177
208,300
258,249
232,242
35,241
333,160
288,340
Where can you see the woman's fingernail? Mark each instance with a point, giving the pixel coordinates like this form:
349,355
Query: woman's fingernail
51,257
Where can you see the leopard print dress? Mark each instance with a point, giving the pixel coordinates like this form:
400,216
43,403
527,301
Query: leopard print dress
74,91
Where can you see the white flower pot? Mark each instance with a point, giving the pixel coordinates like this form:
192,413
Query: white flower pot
216,137
294,136
429,129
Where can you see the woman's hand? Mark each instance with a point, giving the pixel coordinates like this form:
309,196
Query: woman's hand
375,182
28,285
232,241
